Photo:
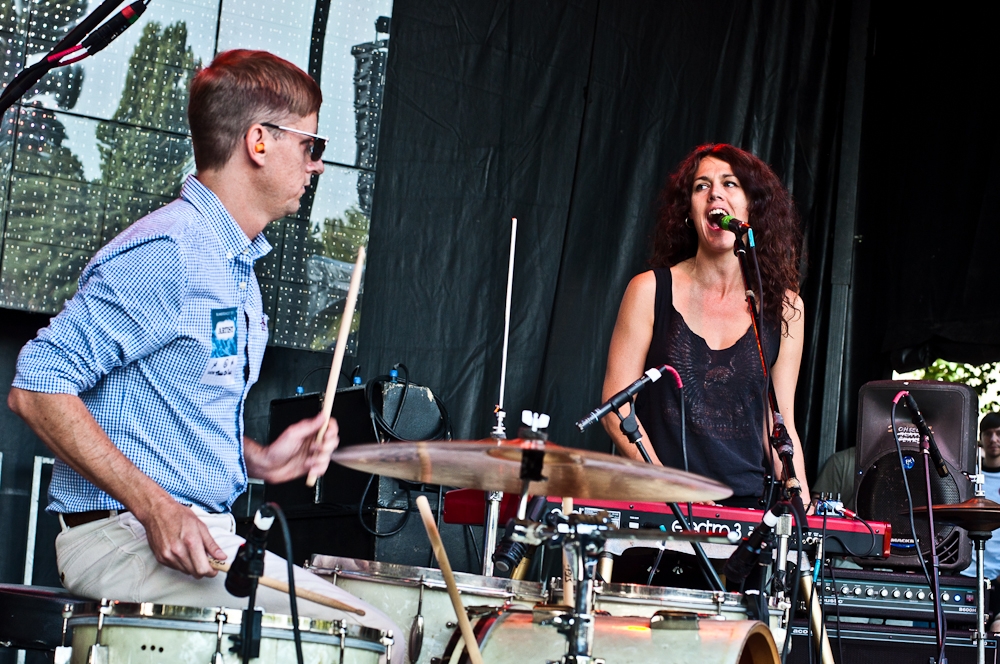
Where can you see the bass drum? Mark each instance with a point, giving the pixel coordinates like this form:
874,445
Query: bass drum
517,637
158,633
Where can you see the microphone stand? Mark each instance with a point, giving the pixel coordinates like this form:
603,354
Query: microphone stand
779,438
939,626
630,427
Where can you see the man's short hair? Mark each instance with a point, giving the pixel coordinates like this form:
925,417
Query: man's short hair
239,88
990,421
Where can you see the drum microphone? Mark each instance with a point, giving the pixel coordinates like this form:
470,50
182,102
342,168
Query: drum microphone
248,566
731,223
616,402
918,419
509,553
747,553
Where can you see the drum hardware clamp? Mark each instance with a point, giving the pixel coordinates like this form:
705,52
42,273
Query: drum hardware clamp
98,654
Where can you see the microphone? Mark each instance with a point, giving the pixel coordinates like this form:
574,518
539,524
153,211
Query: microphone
918,419
747,553
731,223
107,33
509,553
615,402
248,566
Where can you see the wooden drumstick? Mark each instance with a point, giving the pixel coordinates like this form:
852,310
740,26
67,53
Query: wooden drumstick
471,645
338,352
302,593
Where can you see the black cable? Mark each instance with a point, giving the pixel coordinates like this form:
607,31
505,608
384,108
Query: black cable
361,515
385,431
293,602
909,498
440,502
795,588
836,603
475,544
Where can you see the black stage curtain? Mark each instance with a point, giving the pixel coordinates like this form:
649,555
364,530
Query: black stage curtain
569,116
928,233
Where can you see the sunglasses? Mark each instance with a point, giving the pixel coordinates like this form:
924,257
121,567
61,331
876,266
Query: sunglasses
318,142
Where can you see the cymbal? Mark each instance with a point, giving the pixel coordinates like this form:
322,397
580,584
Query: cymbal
975,514
496,465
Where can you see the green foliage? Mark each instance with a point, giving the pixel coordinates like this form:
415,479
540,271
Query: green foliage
980,378
338,238
134,157
341,237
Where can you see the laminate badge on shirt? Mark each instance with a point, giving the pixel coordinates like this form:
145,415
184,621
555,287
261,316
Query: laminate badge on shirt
221,367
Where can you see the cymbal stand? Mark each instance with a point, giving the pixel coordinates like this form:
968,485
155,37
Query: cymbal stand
979,538
982,583
491,519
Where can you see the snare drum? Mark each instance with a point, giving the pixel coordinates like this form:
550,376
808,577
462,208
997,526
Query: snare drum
153,633
518,637
416,598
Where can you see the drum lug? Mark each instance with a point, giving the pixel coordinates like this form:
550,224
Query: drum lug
221,618
673,620
62,655
98,655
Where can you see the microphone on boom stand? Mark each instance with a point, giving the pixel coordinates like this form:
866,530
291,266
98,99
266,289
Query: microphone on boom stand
618,400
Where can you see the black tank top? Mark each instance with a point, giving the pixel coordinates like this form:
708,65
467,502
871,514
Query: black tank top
723,397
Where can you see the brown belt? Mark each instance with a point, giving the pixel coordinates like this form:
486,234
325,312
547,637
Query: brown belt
75,519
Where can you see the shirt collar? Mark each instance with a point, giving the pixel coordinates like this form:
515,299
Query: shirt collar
234,240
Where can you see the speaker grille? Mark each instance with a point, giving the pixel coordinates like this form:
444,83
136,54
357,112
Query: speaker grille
882,497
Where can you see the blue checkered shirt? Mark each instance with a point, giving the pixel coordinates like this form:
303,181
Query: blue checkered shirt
162,342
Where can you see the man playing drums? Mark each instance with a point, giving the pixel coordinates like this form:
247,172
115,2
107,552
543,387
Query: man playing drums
139,384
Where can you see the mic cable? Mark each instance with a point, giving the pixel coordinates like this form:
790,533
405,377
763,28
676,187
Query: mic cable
248,565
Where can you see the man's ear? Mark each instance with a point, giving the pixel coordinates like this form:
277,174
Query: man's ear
255,144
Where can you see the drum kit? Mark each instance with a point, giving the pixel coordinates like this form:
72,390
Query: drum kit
513,620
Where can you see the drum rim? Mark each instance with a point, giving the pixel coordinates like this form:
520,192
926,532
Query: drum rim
371,642
411,576
120,612
636,591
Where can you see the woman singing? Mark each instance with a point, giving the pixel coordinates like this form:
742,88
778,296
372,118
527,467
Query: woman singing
690,312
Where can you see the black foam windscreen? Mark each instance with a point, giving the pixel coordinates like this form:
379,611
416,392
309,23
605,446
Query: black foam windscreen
950,411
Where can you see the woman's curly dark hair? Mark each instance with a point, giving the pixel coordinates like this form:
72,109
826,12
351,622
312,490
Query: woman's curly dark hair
772,215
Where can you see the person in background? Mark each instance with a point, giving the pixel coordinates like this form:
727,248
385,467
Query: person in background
989,450
837,478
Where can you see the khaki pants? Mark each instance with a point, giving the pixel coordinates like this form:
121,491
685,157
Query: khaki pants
110,558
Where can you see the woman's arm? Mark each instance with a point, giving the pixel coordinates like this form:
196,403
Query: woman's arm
785,375
627,355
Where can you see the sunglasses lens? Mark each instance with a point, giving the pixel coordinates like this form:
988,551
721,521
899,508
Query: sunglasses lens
319,145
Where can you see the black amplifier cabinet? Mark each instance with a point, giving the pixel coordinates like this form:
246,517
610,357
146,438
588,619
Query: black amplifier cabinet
899,596
878,644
